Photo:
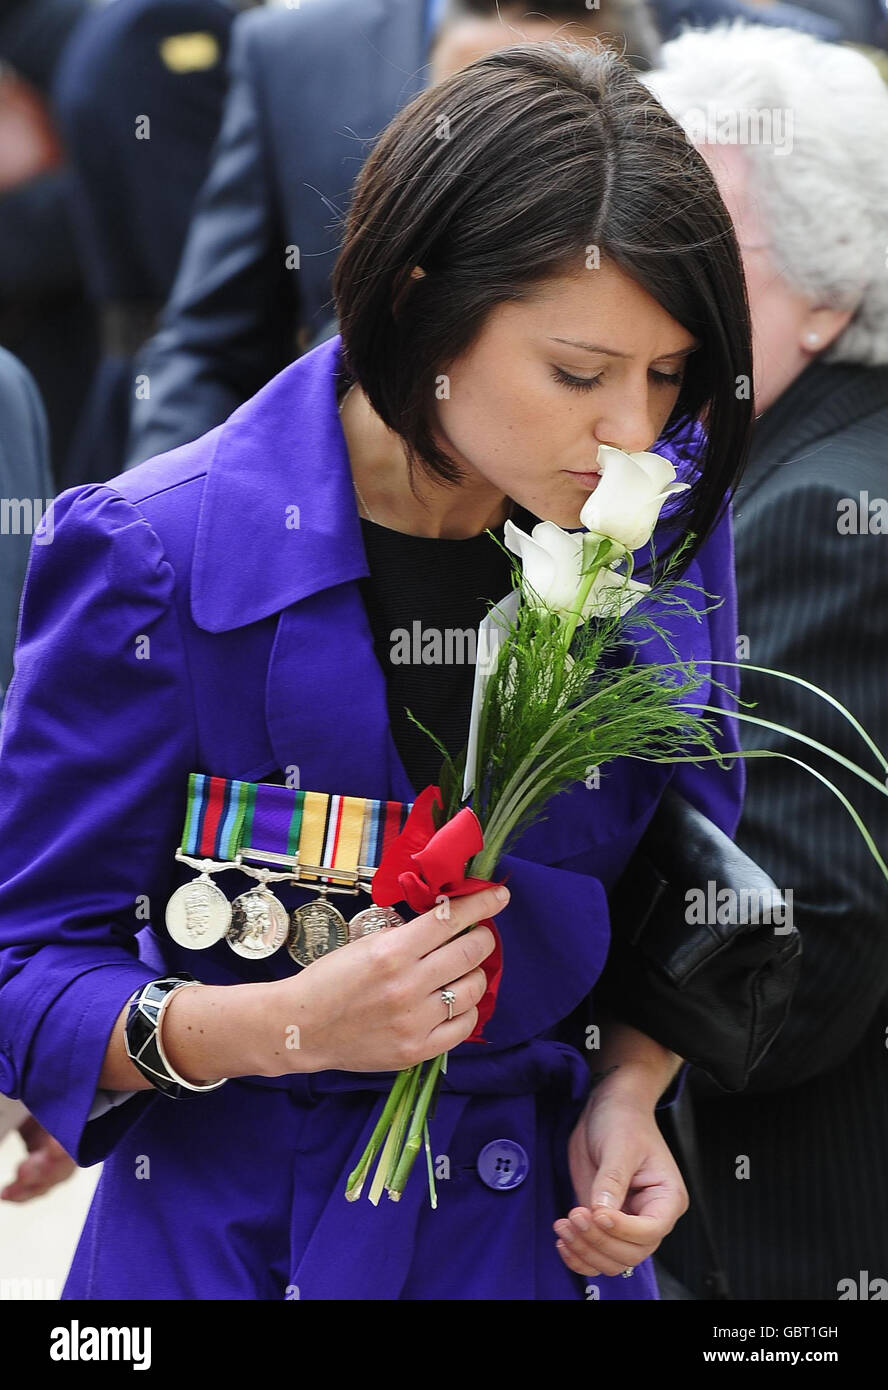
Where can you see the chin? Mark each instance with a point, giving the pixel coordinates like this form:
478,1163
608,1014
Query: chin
565,515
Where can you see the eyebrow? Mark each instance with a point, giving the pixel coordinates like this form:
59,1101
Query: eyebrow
610,352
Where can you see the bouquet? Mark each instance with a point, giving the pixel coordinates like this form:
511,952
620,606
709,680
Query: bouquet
547,706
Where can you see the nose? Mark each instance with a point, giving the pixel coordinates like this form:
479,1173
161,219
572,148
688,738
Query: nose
631,439
629,422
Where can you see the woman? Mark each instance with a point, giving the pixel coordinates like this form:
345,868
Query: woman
535,263
813,592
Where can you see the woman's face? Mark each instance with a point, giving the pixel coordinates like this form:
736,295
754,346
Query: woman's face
529,404
782,317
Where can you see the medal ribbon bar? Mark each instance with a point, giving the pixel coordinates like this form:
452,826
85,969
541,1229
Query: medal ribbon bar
332,841
323,836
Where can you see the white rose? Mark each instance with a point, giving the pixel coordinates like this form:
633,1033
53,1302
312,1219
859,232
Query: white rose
552,563
625,505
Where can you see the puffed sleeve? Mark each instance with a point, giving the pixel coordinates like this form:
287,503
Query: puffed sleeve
96,744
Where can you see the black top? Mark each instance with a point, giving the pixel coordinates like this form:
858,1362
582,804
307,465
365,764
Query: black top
425,597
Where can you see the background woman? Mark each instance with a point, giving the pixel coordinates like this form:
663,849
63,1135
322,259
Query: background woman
811,214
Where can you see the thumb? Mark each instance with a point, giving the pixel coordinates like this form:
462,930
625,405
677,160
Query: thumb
610,1183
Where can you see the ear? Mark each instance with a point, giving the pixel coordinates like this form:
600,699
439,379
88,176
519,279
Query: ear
404,287
820,327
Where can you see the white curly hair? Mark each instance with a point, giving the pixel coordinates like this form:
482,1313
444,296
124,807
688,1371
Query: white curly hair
824,196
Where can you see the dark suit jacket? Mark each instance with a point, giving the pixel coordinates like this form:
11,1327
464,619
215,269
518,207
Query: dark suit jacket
674,15
813,1124
309,88
24,477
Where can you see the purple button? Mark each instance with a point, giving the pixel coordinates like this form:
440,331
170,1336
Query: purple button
503,1164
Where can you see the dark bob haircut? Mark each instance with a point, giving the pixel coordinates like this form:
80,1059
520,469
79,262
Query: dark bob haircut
501,177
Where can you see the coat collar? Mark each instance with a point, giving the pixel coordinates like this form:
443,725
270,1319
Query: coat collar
823,399
278,518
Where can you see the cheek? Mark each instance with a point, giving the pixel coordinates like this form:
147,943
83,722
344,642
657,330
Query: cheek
775,318
501,416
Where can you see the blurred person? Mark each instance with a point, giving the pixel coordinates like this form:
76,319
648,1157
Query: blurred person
139,95
24,478
45,1164
675,15
860,22
810,1209
26,491
309,88
46,319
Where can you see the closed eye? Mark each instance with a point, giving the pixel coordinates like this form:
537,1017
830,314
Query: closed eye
586,383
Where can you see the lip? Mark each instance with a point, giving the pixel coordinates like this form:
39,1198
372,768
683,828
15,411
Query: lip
589,480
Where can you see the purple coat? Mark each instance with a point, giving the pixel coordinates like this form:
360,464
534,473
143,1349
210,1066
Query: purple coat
201,613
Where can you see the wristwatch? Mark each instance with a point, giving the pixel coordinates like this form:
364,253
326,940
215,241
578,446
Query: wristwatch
142,1036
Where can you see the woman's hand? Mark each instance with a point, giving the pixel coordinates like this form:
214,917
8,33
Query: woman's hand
375,1004
630,1190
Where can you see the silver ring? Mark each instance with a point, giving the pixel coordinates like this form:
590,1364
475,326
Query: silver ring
625,1273
449,999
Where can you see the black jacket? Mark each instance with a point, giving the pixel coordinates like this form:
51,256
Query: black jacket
794,1168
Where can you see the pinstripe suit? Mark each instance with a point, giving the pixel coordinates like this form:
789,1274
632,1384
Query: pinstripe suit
813,1124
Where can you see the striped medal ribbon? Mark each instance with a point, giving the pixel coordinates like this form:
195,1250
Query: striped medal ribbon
322,838
199,914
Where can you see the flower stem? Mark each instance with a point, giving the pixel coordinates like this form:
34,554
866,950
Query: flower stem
359,1172
433,1195
400,1123
414,1136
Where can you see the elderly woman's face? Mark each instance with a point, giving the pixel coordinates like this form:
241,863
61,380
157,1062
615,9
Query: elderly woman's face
586,359
780,314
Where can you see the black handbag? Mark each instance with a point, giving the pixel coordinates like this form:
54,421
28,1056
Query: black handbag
716,992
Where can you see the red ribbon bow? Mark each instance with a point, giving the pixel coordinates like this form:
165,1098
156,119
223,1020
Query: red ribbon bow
423,864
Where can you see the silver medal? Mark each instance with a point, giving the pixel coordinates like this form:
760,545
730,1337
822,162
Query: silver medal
373,919
198,914
316,928
259,924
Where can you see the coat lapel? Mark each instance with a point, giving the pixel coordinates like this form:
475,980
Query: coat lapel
279,533
326,706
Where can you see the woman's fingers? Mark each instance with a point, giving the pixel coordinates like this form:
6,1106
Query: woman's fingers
595,1248
590,1248
467,991
451,916
457,958
450,1034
